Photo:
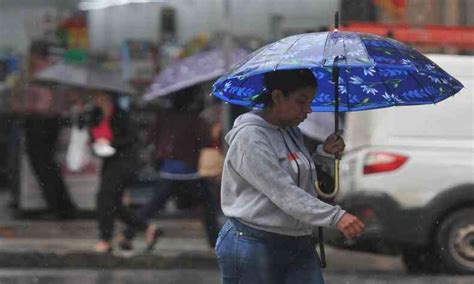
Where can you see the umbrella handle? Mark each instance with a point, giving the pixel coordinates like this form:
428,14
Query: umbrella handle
336,183
335,79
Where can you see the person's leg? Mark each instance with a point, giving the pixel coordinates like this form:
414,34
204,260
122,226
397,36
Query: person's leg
39,154
161,194
66,207
41,138
305,267
208,201
247,259
124,177
158,200
107,199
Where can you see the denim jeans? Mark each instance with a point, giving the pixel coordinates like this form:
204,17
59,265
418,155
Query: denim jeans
247,255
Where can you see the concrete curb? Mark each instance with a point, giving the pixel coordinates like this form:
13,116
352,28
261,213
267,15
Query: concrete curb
105,261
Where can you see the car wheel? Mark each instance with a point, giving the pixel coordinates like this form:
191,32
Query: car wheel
420,260
455,242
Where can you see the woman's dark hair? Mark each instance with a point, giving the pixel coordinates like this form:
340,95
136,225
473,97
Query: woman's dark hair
286,81
182,100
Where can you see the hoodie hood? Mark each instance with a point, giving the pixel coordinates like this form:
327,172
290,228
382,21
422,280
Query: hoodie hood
247,119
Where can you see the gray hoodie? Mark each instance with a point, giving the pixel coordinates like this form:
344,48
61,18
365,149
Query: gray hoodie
268,179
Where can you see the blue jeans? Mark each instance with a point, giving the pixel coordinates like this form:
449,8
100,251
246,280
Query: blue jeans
247,255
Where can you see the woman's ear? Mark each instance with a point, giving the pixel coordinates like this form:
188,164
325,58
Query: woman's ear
277,97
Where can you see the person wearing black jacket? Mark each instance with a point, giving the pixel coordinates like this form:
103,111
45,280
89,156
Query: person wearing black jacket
37,107
111,124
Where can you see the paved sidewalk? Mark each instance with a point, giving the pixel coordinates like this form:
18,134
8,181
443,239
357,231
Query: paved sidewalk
27,243
52,244
70,244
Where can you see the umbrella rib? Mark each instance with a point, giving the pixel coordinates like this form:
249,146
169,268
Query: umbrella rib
403,55
345,74
347,91
260,51
418,82
366,50
391,102
345,51
288,49
449,86
324,49
409,71
243,81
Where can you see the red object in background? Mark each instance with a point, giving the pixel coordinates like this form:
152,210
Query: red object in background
73,31
75,21
396,3
399,3
379,162
395,8
103,130
461,37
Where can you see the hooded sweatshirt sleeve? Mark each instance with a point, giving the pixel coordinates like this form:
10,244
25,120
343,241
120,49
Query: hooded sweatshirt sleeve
255,160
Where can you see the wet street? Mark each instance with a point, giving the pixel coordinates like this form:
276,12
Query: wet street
202,276
77,276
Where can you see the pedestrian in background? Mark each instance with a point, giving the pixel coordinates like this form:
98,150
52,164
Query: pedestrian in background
179,135
268,189
114,139
40,111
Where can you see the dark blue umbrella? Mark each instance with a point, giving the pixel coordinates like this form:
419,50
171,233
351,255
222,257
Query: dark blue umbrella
195,69
355,71
374,72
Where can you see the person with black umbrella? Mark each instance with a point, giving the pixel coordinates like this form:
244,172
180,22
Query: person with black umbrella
39,108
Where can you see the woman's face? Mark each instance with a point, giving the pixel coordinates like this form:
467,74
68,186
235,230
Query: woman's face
292,109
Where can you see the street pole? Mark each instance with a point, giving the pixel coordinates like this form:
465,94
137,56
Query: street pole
227,46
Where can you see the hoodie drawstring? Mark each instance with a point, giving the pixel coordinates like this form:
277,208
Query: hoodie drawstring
310,161
292,156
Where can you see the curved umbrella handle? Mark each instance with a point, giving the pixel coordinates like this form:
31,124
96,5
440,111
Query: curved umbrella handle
336,183
335,79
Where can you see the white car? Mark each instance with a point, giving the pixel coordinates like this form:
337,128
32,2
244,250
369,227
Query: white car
408,172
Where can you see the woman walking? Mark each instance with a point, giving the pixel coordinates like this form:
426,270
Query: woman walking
268,189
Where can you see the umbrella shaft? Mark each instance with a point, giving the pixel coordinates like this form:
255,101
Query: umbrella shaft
335,79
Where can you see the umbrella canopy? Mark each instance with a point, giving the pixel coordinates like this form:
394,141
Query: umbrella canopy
198,68
84,76
355,71
374,72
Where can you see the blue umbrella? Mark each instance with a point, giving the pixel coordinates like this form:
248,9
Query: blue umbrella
355,72
374,72
198,68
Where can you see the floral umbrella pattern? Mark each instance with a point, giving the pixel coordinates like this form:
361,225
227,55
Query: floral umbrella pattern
375,72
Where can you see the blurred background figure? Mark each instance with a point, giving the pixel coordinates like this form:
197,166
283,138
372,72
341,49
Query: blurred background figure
179,135
40,111
113,138
211,158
